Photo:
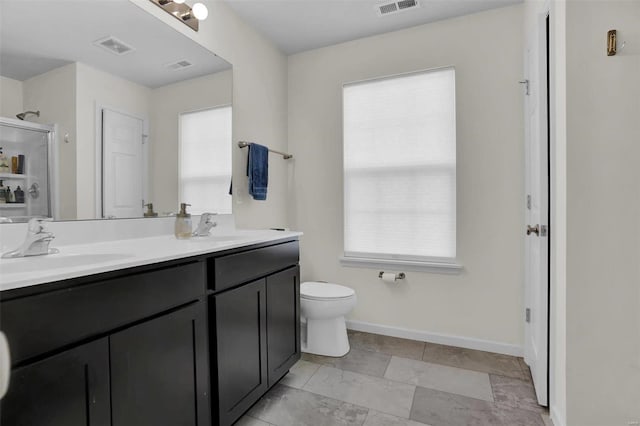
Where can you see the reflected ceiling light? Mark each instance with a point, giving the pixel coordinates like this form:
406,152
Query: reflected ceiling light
180,10
200,11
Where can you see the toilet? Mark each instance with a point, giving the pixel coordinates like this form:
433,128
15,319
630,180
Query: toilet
323,307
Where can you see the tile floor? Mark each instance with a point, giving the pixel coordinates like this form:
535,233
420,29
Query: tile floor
387,381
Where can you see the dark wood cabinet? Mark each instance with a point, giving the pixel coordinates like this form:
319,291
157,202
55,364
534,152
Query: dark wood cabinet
238,350
137,352
254,327
157,374
283,322
70,388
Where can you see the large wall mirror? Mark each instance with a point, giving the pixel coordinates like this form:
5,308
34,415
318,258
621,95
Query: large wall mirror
137,113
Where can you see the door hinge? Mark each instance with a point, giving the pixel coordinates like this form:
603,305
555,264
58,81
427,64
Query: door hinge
527,315
529,202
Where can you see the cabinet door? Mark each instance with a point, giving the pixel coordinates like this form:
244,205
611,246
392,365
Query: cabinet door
159,371
240,349
71,388
283,322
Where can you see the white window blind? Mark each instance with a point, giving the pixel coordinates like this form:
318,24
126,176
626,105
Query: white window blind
400,167
205,160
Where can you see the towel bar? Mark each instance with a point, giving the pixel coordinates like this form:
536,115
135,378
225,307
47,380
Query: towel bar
243,144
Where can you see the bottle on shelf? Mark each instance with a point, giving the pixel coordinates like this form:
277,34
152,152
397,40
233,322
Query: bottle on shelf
4,162
20,164
8,195
3,191
18,195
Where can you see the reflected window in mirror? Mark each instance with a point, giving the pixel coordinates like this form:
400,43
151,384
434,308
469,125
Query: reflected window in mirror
205,160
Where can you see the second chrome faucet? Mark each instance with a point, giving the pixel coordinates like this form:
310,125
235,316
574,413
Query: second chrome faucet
205,225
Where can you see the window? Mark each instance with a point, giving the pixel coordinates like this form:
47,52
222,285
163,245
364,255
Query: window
205,160
400,168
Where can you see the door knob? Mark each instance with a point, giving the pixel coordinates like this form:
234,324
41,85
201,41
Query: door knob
533,230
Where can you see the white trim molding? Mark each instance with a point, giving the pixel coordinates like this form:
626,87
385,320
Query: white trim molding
555,417
439,338
405,265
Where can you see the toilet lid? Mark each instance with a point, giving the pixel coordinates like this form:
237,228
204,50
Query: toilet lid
323,291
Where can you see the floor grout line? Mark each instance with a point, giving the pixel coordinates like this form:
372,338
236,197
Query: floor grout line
313,374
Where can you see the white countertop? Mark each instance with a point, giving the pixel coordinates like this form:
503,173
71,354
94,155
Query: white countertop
87,259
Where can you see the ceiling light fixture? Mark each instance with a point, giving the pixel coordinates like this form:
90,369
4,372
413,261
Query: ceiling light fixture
181,11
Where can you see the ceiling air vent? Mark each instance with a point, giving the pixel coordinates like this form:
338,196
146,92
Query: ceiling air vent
396,6
179,65
113,45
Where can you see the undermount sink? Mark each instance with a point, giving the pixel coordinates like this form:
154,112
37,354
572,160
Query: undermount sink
56,261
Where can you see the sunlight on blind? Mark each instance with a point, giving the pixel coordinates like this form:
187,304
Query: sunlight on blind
205,160
400,167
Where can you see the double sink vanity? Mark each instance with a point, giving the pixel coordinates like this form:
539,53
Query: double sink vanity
150,330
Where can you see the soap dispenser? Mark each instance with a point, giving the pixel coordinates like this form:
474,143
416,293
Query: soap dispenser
183,223
150,212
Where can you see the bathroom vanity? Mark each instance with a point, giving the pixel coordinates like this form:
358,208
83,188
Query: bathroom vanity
193,339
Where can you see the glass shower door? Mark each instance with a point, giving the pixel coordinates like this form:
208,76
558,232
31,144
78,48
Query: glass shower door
27,182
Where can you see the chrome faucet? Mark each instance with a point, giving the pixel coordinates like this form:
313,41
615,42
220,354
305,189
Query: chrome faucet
205,225
36,242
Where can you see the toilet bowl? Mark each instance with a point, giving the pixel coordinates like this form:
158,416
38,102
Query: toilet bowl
323,307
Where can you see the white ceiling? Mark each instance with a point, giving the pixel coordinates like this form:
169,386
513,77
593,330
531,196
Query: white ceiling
39,35
299,25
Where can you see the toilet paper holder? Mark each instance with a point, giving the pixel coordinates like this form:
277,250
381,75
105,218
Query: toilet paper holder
399,276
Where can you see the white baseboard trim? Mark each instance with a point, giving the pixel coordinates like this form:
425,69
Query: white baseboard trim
442,339
555,418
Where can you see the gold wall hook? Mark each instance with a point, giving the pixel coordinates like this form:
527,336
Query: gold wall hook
612,42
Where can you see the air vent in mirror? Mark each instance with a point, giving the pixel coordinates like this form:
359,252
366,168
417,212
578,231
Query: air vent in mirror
113,45
179,65
388,8
396,6
405,4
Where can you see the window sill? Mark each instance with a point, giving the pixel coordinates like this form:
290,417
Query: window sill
436,267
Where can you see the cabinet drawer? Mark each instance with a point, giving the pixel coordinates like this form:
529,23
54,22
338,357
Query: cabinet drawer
252,264
41,323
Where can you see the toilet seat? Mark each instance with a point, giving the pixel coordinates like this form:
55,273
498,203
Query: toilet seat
313,290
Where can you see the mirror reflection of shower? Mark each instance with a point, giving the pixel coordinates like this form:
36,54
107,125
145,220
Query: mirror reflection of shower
23,115
27,175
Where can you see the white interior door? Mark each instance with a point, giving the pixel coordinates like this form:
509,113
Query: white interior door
122,165
537,212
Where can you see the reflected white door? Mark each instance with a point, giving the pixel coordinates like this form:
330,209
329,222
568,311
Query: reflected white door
122,165
537,212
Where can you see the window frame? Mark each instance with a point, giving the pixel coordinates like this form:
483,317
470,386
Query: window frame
446,265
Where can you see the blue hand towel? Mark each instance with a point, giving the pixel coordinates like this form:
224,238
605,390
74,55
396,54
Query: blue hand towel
258,171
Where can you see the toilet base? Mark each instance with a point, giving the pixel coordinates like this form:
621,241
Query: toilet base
327,337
